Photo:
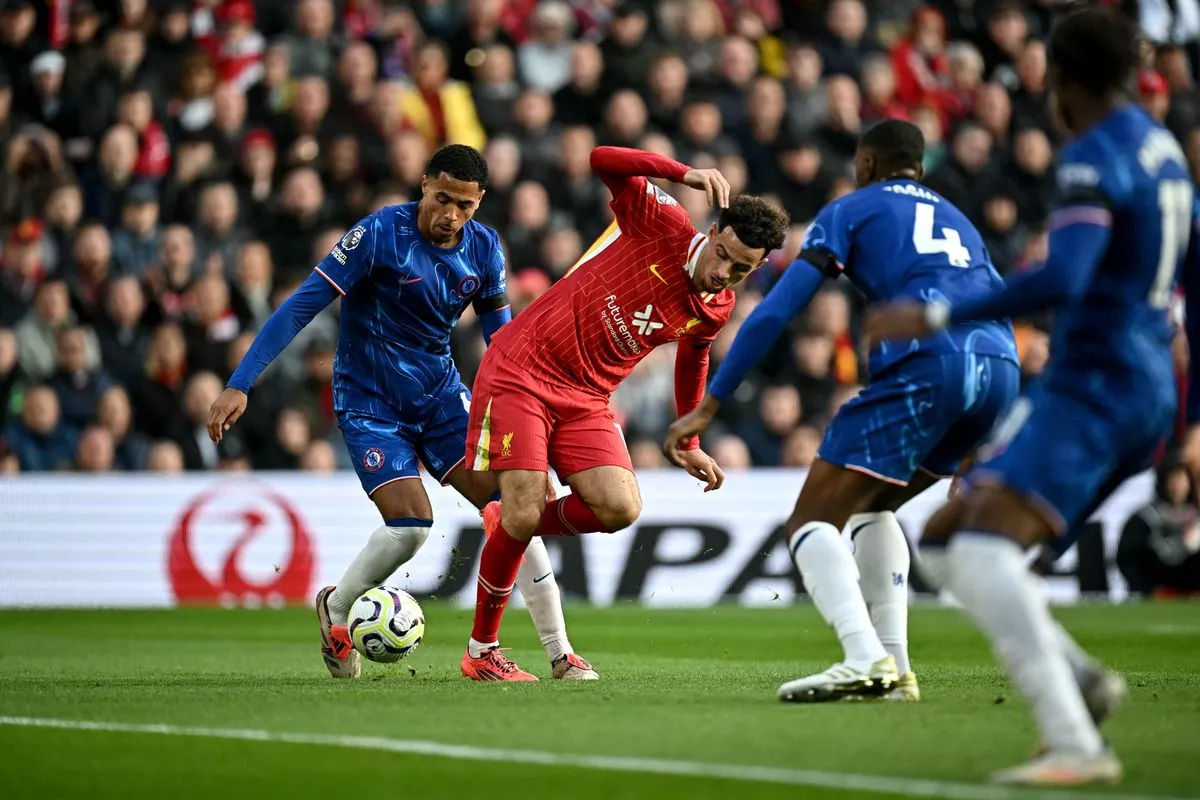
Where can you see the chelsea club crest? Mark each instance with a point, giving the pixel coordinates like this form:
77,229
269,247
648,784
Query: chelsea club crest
468,286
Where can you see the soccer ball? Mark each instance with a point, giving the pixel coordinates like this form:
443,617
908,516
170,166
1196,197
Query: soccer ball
386,624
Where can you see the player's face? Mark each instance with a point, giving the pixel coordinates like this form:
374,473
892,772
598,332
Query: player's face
1061,98
726,261
446,205
864,167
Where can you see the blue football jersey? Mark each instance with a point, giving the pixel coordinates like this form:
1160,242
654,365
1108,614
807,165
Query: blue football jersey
1116,339
899,239
401,299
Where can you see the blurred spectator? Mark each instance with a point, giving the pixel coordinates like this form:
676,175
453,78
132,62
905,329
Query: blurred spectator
1007,32
731,453
53,108
920,60
800,447
646,454
38,332
165,457
95,451
1031,100
157,393
581,99
11,384
78,379
780,412
1159,549
806,92
39,439
136,243
961,176
440,109
628,50
319,457
1031,172
210,325
217,236
62,214
105,185
33,165
545,58
495,89
90,270
190,430
313,47
22,269
122,334
292,438
846,41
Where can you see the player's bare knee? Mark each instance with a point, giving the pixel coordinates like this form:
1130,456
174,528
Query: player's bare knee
520,519
619,513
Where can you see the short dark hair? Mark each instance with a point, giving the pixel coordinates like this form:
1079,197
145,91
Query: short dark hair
896,144
756,222
1095,48
460,162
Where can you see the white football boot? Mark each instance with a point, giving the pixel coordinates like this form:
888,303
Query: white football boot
573,668
843,682
1063,769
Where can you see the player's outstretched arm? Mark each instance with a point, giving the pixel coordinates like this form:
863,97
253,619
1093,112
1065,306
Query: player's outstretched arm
618,167
277,333
794,291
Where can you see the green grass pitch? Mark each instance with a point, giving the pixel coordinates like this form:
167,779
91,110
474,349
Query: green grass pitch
693,686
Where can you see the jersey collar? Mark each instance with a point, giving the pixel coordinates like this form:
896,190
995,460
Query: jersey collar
699,242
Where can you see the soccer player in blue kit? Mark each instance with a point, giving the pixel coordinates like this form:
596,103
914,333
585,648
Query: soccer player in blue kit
926,406
405,274
1104,405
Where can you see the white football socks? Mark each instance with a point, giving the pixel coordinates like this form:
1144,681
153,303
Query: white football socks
385,551
988,574
539,589
881,552
831,578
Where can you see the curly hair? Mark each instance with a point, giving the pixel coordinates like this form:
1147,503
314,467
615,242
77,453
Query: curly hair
756,222
1095,48
460,162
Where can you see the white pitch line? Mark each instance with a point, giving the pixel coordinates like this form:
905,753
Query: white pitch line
850,782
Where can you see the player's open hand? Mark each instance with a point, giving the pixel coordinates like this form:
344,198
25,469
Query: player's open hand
712,183
686,427
701,466
225,412
903,320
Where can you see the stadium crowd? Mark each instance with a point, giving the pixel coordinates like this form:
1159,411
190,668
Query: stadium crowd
172,170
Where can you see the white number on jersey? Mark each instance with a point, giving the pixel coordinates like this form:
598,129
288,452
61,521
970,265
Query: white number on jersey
927,244
1175,205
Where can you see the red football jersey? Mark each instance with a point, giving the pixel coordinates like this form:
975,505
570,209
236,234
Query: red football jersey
629,293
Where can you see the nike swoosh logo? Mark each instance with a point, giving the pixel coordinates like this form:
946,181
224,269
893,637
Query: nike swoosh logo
654,272
539,580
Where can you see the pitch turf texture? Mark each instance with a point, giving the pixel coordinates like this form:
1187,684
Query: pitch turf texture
247,711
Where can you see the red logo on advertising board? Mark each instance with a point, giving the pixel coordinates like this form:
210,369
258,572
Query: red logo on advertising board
241,572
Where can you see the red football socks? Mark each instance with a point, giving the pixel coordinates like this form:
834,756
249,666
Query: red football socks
569,516
498,567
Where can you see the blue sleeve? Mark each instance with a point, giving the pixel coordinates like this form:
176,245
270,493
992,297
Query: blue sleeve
800,282
493,321
314,294
495,278
351,258
1080,229
1191,285
830,233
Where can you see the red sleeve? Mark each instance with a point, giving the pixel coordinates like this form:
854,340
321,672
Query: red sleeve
691,372
642,209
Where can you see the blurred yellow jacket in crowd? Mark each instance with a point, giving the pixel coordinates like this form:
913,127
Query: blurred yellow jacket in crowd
459,122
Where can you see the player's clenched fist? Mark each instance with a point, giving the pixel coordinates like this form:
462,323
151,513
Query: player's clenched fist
225,412
712,183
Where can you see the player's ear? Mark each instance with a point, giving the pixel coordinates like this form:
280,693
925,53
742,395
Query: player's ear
712,230
424,183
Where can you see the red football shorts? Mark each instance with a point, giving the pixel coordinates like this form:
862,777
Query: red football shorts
520,422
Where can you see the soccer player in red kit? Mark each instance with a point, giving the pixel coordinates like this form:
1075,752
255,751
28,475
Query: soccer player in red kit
541,398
